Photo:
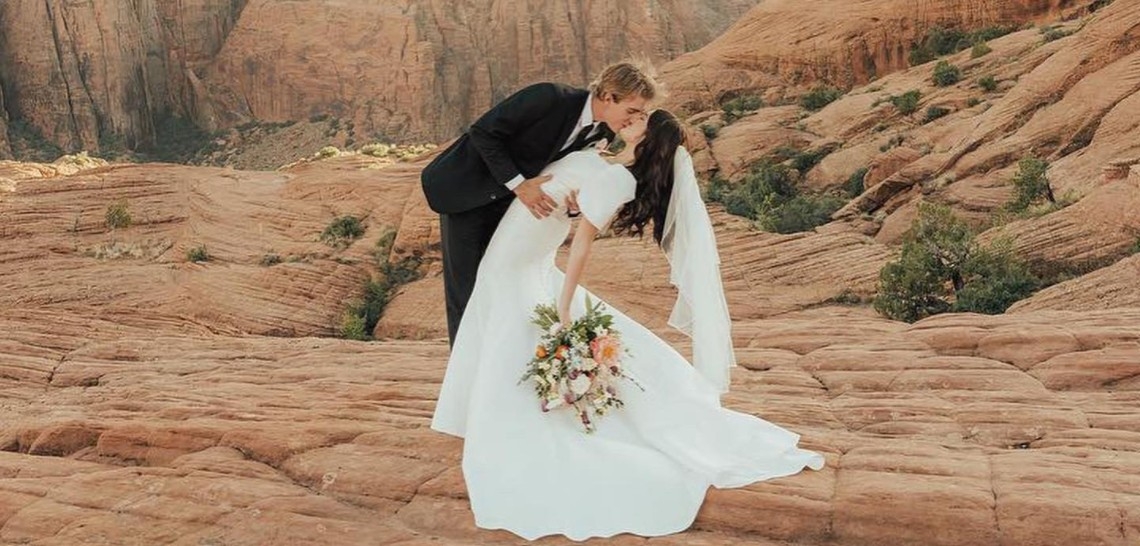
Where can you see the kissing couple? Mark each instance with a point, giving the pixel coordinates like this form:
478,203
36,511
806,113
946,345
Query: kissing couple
507,192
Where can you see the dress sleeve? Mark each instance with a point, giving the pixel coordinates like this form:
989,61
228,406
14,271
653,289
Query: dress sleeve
602,196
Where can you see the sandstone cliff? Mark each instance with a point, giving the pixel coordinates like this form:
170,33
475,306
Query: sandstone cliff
103,74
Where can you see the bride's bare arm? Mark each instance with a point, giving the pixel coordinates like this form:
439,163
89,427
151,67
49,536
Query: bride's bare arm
579,253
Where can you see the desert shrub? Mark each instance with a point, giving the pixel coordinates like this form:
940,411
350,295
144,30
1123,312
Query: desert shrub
935,112
800,213
946,74
342,231
118,215
376,150
994,279
973,101
741,106
361,317
853,187
940,41
270,259
197,254
941,268
907,103
819,97
804,161
987,83
769,196
710,131
1031,185
328,151
1098,4
980,49
1052,33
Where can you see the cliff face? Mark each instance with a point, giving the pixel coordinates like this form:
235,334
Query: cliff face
5,149
86,72
78,72
837,41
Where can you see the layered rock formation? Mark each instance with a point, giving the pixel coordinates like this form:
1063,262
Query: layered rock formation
787,43
85,74
153,398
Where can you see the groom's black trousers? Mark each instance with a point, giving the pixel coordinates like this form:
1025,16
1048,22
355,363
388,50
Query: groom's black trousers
464,238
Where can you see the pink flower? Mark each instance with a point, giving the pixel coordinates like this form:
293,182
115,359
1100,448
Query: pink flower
606,350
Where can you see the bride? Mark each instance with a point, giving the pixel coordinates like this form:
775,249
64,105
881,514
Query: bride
649,464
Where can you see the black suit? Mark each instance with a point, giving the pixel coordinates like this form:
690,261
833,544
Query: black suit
465,183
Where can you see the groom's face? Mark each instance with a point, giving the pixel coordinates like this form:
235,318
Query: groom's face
619,114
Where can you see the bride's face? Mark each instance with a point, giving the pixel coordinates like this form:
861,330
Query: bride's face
635,131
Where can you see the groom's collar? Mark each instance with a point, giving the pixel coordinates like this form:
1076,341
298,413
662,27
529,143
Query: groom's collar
587,117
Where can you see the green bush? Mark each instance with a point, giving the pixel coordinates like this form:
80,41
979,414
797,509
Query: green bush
198,254
1098,4
941,268
118,216
1052,33
946,74
710,131
1030,185
987,83
328,151
941,41
800,213
361,317
853,187
741,106
935,112
907,103
819,97
342,231
994,279
980,49
973,101
769,196
803,160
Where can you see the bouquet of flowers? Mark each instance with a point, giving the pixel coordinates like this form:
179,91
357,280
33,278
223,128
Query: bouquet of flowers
578,366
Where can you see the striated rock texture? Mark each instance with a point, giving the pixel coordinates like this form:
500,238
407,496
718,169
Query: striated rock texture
782,43
150,399
100,74
1071,101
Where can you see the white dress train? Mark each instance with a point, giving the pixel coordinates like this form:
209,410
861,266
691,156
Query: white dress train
649,464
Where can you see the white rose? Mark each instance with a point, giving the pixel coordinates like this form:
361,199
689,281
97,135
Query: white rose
580,384
552,403
554,328
588,364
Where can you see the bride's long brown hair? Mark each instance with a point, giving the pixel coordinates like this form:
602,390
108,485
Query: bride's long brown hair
653,169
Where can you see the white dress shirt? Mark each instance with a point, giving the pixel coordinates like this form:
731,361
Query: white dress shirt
584,120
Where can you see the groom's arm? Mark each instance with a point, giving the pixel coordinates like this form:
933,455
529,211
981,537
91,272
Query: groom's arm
491,132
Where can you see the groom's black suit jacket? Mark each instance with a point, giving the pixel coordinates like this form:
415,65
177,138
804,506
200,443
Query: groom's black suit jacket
520,135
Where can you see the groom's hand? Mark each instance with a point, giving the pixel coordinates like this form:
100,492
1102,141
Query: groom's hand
531,194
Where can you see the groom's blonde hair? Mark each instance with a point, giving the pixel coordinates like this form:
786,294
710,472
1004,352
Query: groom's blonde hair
626,79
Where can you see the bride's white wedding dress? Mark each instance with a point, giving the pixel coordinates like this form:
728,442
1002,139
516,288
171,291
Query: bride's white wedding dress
647,468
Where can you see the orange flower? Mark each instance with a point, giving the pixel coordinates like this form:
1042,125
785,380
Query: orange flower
561,351
540,352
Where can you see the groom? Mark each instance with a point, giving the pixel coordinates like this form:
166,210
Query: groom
473,181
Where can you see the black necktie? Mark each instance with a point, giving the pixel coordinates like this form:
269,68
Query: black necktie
583,136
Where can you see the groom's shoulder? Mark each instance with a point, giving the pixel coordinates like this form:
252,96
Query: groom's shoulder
553,90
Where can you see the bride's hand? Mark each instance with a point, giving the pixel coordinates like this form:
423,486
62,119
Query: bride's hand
564,315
